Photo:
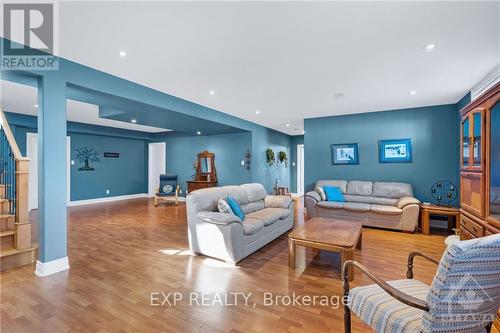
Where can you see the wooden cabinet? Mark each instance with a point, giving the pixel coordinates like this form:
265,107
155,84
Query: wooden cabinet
194,185
472,192
480,165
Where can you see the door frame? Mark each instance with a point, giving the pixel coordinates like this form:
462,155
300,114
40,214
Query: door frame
300,169
33,137
151,181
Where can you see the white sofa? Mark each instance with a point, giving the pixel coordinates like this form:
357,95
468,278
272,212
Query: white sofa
224,235
375,204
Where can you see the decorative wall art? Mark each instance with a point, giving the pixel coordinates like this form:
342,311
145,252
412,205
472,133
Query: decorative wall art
395,151
86,156
345,153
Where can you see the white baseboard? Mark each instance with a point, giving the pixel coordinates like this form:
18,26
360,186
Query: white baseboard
296,195
108,199
51,267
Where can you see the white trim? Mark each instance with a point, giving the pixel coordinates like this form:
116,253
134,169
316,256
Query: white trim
107,199
296,195
51,267
182,198
487,82
155,169
300,169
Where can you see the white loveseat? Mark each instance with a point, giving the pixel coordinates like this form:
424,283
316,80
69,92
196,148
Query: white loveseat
224,235
375,204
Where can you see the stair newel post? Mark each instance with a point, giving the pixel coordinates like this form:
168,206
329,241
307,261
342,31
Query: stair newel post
22,225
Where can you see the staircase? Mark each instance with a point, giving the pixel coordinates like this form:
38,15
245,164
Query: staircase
16,248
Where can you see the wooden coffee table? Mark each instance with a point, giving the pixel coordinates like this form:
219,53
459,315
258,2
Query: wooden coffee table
327,234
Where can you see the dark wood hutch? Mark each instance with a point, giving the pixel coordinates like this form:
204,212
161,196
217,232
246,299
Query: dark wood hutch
480,168
206,174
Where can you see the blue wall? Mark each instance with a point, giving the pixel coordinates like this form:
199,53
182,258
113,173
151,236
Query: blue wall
122,176
229,150
434,132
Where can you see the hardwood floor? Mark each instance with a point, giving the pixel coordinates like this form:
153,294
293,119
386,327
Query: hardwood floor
122,252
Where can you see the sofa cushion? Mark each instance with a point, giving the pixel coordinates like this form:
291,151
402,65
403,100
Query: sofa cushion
370,199
356,206
235,207
385,210
358,187
223,207
333,193
253,206
252,225
342,184
322,193
270,215
392,190
384,201
277,201
254,192
330,204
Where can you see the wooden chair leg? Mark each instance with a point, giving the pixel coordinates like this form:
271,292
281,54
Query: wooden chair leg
347,319
155,201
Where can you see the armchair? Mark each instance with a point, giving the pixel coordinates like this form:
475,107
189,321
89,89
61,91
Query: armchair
463,297
168,190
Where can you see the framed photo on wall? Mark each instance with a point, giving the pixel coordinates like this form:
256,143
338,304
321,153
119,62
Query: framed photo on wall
394,151
345,153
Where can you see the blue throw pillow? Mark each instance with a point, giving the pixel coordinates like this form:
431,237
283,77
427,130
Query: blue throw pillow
333,193
235,207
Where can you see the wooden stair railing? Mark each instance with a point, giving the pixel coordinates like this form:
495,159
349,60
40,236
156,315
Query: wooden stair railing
15,228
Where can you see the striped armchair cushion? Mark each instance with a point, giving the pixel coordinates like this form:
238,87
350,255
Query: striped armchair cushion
385,314
465,293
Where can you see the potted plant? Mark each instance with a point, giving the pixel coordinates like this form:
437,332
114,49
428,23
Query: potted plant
269,157
283,158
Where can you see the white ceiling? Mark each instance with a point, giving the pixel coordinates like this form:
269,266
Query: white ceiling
22,99
289,59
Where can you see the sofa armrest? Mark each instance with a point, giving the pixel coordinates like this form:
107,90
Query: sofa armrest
310,200
218,218
405,201
313,195
277,201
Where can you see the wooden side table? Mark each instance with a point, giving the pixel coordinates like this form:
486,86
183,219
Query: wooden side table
427,210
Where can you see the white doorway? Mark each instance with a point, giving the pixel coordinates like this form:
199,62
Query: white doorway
156,165
32,153
300,169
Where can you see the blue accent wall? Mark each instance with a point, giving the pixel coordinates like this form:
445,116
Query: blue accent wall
229,150
121,176
434,132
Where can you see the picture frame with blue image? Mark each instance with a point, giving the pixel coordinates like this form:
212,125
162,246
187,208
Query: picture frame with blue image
345,153
395,151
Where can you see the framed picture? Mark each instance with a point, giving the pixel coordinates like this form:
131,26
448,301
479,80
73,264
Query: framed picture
345,153
394,151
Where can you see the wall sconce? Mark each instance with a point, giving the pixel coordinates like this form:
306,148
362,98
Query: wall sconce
247,161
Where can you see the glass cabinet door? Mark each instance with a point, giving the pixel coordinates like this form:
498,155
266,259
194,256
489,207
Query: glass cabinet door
495,162
477,138
465,141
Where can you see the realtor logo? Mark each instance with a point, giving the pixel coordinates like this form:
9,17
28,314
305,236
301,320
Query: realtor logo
29,36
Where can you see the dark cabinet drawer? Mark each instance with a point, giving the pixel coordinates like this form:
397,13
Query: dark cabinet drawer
475,228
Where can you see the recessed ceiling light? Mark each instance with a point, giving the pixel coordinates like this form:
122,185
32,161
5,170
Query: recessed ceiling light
257,112
133,121
303,132
412,92
198,133
36,105
123,54
339,95
430,47
211,92
287,125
